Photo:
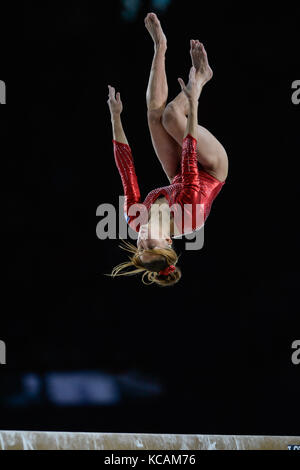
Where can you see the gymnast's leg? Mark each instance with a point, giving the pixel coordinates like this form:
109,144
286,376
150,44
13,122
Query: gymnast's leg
167,149
210,152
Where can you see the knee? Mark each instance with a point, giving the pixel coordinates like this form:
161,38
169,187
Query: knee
223,153
170,114
154,116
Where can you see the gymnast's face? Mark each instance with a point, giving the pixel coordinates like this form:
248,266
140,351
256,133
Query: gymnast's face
144,242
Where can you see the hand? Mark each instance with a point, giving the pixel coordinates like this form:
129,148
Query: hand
114,102
191,90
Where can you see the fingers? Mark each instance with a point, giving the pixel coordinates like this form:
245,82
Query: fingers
114,101
111,92
192,72
181,82
195,43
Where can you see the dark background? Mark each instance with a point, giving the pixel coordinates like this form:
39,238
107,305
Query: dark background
213,353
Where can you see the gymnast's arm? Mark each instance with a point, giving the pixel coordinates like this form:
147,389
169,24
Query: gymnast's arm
123,154
191,92
116,107
189,165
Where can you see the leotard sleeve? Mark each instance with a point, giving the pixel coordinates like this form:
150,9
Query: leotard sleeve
125,164
189,171
190,194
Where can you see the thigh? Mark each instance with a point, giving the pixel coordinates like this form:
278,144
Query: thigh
210,152
166,148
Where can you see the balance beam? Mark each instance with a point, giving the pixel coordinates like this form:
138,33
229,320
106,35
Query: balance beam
43,440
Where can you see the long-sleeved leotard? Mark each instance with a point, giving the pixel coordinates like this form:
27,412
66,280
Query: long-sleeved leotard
190,195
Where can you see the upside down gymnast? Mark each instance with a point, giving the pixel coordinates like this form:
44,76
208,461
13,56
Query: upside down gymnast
194,161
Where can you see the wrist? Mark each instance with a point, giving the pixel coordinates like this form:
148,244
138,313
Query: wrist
193,103
115,116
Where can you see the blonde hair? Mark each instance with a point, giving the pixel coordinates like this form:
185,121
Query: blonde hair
151,269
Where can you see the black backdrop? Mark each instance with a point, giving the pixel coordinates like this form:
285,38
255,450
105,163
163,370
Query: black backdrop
218,344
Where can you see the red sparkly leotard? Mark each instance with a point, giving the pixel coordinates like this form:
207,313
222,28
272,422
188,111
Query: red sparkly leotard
190,195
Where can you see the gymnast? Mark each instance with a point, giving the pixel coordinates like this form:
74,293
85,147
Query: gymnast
193,160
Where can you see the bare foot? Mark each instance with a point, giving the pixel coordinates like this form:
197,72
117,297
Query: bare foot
152,23
199,59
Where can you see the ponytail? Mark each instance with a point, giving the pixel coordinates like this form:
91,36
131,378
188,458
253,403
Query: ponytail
162,271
